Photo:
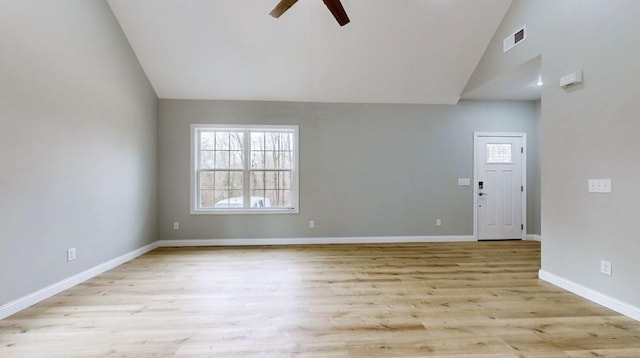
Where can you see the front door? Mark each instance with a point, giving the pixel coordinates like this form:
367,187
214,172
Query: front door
499,186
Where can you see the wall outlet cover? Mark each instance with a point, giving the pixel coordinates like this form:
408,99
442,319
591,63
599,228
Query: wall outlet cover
71,254
605,267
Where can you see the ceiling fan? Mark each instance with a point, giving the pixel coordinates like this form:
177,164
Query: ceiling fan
335,6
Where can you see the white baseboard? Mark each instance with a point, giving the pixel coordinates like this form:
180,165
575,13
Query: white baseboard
315,241
594,296
21,303
534,238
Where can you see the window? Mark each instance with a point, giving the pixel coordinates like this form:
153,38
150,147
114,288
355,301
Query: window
499,153
244,169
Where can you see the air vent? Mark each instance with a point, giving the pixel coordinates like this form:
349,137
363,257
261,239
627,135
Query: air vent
512,40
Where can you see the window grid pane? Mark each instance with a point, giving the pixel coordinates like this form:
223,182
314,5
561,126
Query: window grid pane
499,153
221,150
257,180
206,180
271,150
207,198
274,185
221,188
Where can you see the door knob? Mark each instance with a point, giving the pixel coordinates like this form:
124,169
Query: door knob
481,193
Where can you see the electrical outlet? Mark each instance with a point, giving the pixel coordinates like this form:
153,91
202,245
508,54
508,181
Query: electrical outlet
176,225
71,254
438,222
605,267
312,224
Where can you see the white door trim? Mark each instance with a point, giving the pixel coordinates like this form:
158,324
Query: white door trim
476,136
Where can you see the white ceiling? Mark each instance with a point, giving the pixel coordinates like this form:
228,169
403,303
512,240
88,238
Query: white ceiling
393,51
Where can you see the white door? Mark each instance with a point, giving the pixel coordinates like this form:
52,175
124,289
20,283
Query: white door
499,186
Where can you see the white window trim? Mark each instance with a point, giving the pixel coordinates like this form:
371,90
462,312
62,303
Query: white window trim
193,149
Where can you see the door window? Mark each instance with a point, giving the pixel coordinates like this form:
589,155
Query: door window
499,153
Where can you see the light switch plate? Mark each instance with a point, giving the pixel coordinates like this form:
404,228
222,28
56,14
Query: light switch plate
464,181
599,185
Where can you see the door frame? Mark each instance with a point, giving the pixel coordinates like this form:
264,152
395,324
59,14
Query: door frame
476,136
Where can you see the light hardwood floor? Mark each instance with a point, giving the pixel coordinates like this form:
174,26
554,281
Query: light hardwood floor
418,300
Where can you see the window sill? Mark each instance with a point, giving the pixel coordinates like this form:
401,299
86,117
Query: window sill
245,212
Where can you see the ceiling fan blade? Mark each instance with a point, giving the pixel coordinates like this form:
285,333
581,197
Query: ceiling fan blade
335,6
282,7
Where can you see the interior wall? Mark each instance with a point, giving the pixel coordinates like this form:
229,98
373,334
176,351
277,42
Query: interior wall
365,169
534,182
588,131
78,143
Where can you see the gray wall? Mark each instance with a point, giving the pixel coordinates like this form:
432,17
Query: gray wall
590,131
78,143
534,182
365,169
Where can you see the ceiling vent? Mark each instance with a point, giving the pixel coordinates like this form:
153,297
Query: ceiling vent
512,40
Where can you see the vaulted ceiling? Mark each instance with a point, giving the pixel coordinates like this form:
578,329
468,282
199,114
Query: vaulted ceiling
393,51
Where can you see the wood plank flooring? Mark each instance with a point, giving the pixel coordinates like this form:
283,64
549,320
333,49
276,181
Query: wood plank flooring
416,300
